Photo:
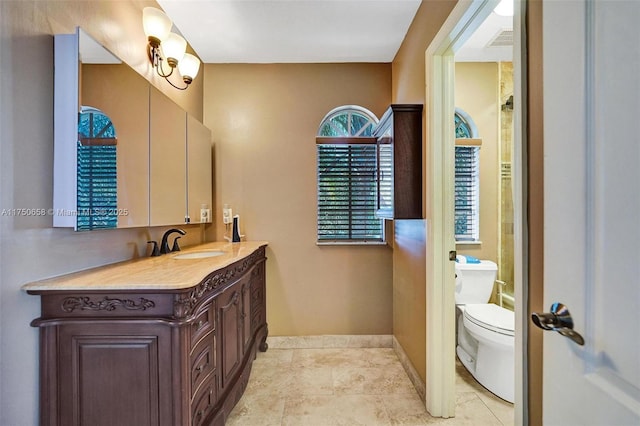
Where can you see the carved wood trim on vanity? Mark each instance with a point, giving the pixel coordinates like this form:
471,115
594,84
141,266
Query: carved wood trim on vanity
69,304
176,357
183,304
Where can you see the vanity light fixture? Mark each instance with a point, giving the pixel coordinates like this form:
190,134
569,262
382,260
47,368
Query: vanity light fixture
169,46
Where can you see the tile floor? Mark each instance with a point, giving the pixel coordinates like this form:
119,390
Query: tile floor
323,387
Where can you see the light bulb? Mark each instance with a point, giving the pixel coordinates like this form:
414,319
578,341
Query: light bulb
156,23
173,49
188,67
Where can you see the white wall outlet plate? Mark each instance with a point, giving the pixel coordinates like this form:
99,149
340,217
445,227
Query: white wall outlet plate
205,215
227,216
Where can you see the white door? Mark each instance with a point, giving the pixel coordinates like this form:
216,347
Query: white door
592,210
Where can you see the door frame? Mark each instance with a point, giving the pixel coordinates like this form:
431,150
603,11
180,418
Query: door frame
464,19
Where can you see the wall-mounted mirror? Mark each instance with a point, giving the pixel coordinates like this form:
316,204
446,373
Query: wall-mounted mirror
116,89
110,169
101,171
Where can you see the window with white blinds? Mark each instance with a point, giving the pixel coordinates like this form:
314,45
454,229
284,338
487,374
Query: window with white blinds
347,193
467,193
346,178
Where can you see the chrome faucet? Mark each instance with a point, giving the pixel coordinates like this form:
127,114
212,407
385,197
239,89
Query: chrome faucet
164,246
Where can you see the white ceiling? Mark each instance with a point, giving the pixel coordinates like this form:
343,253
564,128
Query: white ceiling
281,31
477,48
314,31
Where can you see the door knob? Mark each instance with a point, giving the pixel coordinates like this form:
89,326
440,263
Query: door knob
559,319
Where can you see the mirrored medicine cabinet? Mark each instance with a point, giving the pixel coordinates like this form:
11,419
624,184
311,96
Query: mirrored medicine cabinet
125,155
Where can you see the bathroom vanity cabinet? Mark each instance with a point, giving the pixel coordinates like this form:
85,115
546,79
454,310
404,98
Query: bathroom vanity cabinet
178,353
399,143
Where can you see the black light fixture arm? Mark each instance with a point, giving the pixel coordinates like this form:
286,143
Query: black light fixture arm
156,62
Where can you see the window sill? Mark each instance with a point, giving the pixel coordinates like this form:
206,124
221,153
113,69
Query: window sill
351,243
468,243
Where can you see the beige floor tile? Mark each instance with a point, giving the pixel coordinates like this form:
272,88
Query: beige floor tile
330,410
273,357
329,358
502,409
389,380
407,410
465,382
257,410
311,381
379,357
470,410
268,381
347,386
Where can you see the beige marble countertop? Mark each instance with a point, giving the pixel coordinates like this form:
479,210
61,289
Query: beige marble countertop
163,272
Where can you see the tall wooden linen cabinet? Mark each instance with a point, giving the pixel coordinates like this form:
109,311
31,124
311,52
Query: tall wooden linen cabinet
399,143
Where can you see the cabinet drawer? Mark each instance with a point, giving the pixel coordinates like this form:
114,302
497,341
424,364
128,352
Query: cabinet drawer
203,323
204,401
203,361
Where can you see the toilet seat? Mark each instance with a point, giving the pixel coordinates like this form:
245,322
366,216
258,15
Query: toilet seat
491,317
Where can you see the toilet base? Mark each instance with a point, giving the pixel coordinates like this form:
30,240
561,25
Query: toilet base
491,364
467,360
496,377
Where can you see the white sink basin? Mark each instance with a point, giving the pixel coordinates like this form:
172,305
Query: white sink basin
199,254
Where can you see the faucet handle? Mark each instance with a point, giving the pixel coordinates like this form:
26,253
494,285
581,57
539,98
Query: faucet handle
155,251
175,247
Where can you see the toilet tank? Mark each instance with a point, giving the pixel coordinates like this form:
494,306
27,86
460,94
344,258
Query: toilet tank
474,281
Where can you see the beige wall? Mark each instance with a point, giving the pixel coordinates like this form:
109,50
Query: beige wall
409,291
477,93
409,255
264,120
30,249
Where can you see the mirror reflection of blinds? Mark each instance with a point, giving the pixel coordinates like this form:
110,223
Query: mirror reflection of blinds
385,182
97,198
97,192
467,189
347,193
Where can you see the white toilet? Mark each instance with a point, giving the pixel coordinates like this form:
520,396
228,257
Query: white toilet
485,330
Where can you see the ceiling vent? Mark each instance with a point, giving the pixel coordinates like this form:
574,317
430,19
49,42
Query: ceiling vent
504,38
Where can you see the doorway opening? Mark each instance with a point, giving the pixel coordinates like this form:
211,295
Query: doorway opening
503,210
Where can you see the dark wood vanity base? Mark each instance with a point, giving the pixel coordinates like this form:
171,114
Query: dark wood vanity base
137,357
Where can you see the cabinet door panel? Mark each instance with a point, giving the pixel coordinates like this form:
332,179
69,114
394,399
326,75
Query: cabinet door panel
115,375
168,164
230,311
246,314
258,313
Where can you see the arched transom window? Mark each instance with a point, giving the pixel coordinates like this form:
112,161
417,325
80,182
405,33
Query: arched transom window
346,175
348,121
